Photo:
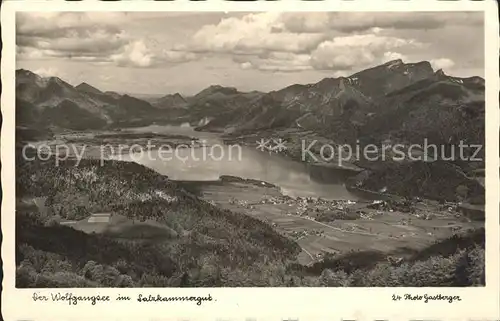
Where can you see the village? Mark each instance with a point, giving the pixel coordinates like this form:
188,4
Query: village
321,226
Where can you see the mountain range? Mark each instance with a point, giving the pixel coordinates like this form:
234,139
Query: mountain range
402,102
52,102
169,101
393,100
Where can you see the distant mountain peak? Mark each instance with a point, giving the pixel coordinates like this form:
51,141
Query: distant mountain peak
39,80
57,80
170,100
221,88
394,63
25,71
440,73
178,96
390,76
477,80
112,94
27,74
84,87
213,89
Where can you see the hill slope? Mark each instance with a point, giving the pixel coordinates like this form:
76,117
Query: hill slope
86,88
170,101
52,102
442,109
206,239
319,106
409,101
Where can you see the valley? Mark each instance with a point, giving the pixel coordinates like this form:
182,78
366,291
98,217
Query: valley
336,227
265,218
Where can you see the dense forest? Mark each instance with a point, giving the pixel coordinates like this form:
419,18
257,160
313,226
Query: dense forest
200,245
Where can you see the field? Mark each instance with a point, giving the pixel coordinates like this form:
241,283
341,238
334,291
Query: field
136,228
392,232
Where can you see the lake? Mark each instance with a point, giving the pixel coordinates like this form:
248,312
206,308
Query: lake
209,162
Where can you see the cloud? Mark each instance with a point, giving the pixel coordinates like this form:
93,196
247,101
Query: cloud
137,54
363,21
328,56
246,65
48,72
173,56
134,54
267,41
276,61
349,52
306,22
274,41
59,24
339,54
390,55
100,43
71,33
251,34
442,63
90,37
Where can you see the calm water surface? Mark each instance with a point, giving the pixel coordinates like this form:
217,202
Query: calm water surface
216,159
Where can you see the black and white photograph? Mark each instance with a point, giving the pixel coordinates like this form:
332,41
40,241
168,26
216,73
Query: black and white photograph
249,149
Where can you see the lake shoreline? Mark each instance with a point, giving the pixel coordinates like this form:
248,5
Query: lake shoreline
324,230
188,139
336,227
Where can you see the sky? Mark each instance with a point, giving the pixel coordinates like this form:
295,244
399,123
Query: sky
161,53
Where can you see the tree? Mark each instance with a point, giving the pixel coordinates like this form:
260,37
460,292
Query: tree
93,271
124,281
185,280
51,222
122,266
462,270
110,276
25,276
334,279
